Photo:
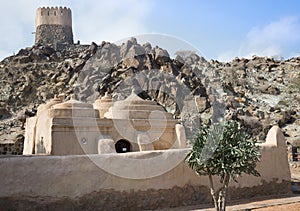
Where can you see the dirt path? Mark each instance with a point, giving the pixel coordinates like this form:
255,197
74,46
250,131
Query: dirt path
289,207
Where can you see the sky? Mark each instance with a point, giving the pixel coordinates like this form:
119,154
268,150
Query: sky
217,29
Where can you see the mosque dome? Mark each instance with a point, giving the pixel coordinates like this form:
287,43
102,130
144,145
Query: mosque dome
135,107
73,108
103,104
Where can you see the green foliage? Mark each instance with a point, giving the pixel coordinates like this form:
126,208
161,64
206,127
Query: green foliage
224,149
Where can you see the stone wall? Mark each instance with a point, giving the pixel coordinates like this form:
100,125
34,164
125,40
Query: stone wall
114,200
12,148
50,34
138,200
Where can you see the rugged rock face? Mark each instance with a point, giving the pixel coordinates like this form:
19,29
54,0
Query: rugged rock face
259,92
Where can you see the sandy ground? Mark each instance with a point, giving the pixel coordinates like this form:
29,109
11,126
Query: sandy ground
289,207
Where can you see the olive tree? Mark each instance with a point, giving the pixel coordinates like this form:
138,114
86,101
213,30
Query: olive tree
224,150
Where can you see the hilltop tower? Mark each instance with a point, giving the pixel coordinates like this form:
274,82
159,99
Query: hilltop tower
53,25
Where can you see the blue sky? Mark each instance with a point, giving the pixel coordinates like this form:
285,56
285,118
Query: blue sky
218,29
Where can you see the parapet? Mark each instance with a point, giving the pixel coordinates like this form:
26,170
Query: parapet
54,16
275,138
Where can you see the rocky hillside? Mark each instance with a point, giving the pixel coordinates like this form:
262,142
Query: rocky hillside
259,92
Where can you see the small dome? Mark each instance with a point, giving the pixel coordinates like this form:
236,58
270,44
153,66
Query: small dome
73,108
135,107
103,104
71,104
48,105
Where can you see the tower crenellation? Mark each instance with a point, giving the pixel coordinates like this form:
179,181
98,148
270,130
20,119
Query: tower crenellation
53,24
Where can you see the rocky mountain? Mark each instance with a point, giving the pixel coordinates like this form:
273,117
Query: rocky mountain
259,92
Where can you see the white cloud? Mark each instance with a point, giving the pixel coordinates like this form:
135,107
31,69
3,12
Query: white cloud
93,20
274,39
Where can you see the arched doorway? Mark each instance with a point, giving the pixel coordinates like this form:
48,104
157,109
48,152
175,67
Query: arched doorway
123,146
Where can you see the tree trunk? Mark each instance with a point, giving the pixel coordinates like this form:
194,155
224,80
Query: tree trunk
220,202
227,179
212,192
222,193
220,199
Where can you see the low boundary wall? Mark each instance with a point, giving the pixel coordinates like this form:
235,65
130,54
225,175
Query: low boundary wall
130,181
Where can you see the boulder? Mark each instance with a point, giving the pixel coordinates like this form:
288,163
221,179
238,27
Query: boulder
4,112
201,103
270,89
93,48
161,56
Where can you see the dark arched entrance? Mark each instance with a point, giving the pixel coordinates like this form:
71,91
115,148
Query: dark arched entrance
122,146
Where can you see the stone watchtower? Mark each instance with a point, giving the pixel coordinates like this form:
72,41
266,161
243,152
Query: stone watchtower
53,25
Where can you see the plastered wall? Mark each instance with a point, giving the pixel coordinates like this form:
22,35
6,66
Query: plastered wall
141,176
